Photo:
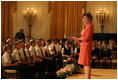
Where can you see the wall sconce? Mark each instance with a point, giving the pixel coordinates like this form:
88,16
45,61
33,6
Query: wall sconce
101,16
30,16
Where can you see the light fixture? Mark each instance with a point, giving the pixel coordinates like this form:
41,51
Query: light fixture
101,16
30,16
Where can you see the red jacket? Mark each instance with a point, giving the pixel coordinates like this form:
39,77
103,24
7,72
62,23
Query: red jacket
87,35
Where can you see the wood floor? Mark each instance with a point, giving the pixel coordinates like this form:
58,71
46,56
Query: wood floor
96,74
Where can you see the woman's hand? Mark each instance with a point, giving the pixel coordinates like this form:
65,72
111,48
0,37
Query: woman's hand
77,39
73,38
80,39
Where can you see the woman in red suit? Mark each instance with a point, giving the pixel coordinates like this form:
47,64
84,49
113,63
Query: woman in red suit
86,44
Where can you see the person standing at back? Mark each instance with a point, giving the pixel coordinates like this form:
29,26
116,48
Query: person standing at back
20,34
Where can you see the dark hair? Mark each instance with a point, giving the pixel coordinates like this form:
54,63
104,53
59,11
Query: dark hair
32,41
49,40
69,42
58,41
6,47
88,14
21,29
64,39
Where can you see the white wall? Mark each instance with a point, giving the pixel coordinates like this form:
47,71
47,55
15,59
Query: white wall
111,6
41,27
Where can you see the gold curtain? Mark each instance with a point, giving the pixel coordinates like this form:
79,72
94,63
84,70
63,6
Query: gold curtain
7,9
74,17
57,20
81,6
66,18
71,18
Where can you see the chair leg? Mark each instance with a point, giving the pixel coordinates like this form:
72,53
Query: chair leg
4,75
7,75
16,75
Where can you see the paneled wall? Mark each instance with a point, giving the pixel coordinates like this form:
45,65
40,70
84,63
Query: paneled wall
111,6
41,26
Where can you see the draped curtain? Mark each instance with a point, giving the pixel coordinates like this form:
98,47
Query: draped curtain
7,9
72,18
66,18
57,20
